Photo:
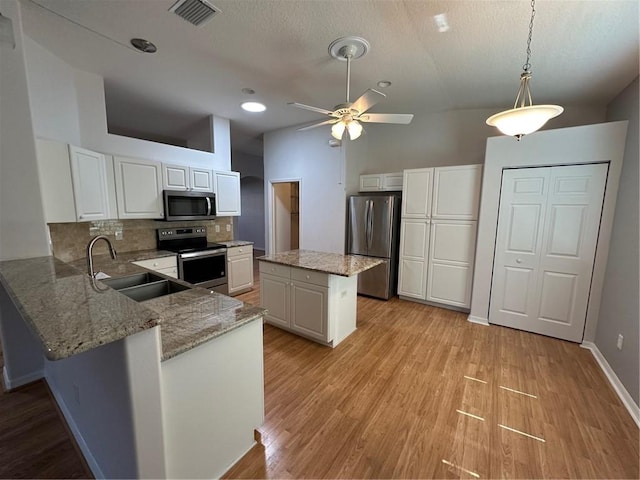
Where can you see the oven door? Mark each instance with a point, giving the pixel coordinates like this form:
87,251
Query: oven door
207,269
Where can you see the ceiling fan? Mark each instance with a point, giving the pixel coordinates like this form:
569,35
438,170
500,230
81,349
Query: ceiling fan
349,115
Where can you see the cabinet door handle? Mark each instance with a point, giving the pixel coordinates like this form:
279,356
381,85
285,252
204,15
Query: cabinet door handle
518,260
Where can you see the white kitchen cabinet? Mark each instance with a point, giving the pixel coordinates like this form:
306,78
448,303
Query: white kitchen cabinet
76,183
381,182
315,305
438,234
226,186
165,265
138,188
180,177
240,269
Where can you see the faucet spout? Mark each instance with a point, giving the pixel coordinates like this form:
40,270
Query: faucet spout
112,252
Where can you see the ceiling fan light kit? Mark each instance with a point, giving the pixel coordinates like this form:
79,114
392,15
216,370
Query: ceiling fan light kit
524,118
348,116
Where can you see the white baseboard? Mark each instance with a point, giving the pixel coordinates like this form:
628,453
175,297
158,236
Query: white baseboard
88,456
10,384
617,385
478,320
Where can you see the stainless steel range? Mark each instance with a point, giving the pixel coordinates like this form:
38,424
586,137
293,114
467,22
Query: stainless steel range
200,262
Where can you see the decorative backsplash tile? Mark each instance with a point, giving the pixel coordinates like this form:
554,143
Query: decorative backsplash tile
69,240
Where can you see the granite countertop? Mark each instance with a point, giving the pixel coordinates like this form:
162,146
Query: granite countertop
333,263
235,243
68,316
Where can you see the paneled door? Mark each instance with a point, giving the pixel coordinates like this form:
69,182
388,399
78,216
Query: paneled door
548,226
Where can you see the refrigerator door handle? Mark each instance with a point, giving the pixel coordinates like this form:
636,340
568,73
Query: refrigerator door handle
370,226
366,223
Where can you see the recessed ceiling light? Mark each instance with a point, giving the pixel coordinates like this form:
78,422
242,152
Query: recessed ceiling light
144,45
441,22
253,107
384,83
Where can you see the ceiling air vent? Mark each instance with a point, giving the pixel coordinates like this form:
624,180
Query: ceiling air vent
196,12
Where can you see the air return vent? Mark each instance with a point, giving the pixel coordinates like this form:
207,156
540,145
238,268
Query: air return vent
196,12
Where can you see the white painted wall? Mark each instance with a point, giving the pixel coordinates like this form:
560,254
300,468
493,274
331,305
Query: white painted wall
64,92
250,225
23,232
290,155
619,309
566,146
53,95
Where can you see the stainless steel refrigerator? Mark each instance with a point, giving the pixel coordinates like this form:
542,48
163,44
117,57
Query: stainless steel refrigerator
374,231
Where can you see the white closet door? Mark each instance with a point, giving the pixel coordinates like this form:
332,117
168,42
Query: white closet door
547,234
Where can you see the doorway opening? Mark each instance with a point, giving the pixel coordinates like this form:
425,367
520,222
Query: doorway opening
286,216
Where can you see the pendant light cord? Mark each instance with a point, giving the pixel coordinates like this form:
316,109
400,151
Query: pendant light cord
527,66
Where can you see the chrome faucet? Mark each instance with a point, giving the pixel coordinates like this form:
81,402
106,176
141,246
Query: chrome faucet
93,241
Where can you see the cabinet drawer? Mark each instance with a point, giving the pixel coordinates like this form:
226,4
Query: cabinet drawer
309,276
275,269
237,251
158,263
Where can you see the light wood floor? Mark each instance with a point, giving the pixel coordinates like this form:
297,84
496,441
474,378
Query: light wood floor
415,392
419,392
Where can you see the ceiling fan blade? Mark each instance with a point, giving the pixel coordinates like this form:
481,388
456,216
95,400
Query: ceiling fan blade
401,118
367,100
309,107
319,124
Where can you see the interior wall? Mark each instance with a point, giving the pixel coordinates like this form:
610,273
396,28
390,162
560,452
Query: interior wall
70,107
250,225
22,229
290,155
565,146
456,137
619,310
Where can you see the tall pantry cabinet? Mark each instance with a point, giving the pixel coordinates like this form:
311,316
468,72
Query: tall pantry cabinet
438,234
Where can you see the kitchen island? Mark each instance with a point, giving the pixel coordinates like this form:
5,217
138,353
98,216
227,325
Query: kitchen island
167,388
312,294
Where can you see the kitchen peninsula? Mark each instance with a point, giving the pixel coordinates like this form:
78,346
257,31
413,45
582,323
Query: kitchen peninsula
312,294
167,388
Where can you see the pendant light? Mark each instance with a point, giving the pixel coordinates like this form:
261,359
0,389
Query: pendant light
524,117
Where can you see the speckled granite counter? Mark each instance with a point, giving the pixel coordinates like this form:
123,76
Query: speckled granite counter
68,316
235,243
333,263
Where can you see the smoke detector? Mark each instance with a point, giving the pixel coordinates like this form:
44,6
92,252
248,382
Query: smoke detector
196,12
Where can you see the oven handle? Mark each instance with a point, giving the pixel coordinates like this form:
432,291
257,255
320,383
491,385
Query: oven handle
206,253
208,206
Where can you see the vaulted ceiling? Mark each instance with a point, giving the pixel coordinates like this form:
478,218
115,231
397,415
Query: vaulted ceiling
584,53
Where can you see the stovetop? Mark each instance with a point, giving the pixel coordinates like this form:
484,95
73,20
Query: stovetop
185,240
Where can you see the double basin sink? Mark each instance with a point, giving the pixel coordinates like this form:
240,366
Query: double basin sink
144,286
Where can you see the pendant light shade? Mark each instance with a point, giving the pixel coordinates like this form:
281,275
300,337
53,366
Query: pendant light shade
525,117
353,127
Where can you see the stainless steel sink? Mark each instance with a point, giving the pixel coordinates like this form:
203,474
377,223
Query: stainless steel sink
148,291
132,280
144,286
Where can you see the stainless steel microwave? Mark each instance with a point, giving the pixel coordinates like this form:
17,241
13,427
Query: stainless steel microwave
184,205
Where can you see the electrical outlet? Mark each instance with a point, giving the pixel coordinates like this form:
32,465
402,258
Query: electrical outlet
118,234
217,228
228,228
619,343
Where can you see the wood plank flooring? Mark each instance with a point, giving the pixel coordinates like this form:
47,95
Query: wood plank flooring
415,392
419,392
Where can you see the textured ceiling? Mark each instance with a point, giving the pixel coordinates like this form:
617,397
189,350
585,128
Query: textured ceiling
584,53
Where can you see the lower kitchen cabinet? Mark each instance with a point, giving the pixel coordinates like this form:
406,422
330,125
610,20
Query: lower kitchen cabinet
165,265
240,269
315,305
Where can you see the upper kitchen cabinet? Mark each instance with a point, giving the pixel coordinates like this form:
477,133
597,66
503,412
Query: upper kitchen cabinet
416,193
456,192
227,190
180,177
76,183
138,188
380,182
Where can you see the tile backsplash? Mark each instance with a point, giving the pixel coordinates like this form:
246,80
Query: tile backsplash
69,240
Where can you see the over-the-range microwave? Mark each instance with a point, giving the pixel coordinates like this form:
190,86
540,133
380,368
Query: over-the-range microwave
189,205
